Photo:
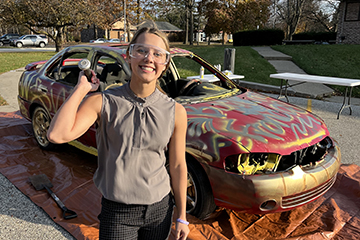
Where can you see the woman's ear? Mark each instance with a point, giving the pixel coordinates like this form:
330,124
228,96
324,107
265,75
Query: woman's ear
127,58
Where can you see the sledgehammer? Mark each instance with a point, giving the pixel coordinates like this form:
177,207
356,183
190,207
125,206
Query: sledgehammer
40,182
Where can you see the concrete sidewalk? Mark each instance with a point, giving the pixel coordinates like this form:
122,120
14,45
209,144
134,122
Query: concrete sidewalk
9,88
284,63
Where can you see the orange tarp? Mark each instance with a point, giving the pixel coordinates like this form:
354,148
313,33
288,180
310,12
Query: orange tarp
334,216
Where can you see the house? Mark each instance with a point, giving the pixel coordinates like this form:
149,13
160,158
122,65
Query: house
349,22
173,33
117,30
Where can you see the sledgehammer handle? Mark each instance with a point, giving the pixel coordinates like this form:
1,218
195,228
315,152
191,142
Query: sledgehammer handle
67,213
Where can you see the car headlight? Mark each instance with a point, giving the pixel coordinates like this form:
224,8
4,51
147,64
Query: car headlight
252,163
262,163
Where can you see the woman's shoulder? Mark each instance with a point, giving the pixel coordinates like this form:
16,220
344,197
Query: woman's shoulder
180,110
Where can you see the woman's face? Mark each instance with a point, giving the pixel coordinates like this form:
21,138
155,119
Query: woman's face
145,59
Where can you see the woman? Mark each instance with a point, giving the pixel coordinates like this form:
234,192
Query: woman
136,123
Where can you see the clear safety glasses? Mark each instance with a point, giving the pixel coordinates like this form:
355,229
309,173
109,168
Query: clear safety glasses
159,55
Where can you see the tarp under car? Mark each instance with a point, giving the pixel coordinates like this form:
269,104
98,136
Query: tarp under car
334,216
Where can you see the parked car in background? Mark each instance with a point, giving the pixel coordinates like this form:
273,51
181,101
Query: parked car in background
114,40
6,38
31,41
99,40
245,151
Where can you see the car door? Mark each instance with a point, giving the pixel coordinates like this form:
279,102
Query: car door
32,41
64,74
26,41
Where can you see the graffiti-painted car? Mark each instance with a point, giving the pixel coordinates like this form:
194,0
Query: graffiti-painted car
245,151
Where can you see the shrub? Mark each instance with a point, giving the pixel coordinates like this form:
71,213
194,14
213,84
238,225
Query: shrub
317,36
258,37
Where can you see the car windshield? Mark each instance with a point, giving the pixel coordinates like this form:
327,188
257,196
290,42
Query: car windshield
185,70
23,36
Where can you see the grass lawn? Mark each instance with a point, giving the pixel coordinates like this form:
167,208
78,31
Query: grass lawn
247,61
2,101
11,61
327,60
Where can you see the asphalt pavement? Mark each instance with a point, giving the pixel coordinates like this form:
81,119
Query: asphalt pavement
21,219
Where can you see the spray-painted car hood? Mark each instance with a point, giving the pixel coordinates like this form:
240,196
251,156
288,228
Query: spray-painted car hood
254,122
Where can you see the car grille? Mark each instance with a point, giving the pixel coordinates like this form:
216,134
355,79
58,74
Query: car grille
308,196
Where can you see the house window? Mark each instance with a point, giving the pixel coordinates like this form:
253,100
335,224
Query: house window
352,11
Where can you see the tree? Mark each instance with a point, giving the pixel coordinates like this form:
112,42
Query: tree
231,16
307,15
290,12
219,18
321,15
178,13
51,17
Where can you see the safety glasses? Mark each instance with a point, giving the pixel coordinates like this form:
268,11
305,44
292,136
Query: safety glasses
159,55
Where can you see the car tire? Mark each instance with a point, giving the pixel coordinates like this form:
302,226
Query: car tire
40,123
200,200
42,44
19,44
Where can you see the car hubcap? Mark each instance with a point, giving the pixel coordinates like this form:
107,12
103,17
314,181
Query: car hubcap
191,195
40,125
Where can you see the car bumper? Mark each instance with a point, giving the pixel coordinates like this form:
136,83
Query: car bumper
24,107
276,192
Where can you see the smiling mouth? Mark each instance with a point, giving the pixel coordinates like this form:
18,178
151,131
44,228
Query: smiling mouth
150,69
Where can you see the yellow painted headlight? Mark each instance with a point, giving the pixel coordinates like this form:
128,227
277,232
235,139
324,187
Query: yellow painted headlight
252,163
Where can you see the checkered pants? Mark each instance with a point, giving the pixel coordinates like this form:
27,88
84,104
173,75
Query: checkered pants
141,222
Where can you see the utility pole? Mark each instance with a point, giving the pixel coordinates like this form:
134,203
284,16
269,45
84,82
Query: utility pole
125,30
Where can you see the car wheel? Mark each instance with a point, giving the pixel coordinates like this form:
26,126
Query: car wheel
1,44
42,45
200,200
40,124
19,44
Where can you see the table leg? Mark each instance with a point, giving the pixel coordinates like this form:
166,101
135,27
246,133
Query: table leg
281,88
348,104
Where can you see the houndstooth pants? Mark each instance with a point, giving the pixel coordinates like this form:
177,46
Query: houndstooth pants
141,222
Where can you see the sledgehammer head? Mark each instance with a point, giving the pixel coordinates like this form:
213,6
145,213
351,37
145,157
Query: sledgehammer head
40,181
84,64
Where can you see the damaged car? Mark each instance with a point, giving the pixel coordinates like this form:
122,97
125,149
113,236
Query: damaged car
245,151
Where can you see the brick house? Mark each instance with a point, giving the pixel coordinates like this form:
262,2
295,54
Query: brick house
173,33
349,22
117,31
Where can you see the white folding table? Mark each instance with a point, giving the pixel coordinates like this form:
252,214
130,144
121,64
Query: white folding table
213,78
302,78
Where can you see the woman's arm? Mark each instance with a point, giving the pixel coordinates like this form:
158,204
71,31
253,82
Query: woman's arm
178,169
76,115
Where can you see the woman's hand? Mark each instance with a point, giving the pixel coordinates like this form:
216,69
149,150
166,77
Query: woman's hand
181,231
92,85
78,112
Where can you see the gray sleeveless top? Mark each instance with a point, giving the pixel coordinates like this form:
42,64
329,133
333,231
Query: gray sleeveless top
132,136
